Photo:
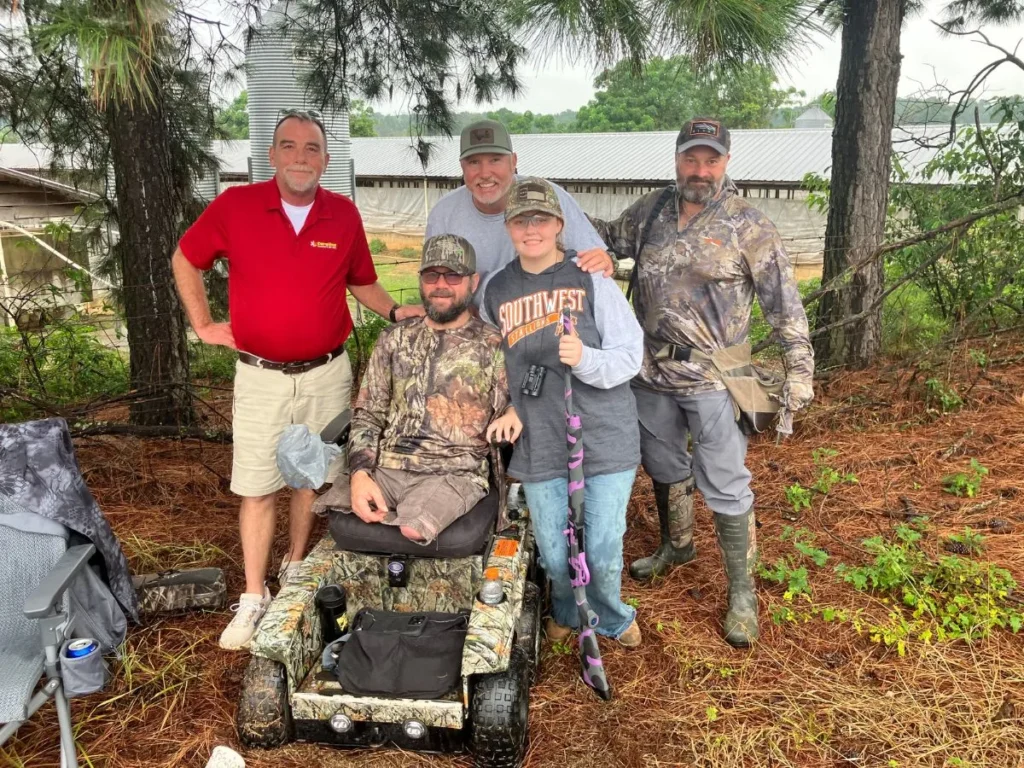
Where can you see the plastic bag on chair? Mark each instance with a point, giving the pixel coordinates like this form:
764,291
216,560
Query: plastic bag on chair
303,458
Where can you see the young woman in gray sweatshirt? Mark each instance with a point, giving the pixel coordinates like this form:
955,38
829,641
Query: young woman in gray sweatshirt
525,300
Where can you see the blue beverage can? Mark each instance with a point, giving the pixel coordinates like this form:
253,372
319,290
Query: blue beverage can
82,647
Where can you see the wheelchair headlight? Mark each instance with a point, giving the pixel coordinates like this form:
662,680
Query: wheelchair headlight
341,723
414,729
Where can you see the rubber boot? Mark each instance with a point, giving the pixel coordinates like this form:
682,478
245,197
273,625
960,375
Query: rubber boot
738,543
675,516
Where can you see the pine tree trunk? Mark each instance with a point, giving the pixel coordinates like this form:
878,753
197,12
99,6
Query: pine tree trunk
869,72
150,206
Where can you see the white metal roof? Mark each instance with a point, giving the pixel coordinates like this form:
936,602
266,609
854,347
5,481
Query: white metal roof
769,156
34,180
762,155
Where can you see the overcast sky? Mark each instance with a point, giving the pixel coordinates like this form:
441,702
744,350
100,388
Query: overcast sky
928,57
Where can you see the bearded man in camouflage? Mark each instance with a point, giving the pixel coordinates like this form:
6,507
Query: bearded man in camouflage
418,448
702,260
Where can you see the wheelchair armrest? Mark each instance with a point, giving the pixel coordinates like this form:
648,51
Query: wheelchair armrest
41,601
336,433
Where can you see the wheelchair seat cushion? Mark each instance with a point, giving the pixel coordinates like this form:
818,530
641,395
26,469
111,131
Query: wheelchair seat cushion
466,537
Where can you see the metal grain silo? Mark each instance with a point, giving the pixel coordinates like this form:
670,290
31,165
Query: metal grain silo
205,187
274,67
813,119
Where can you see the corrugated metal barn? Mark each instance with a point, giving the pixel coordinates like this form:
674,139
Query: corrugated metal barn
606,172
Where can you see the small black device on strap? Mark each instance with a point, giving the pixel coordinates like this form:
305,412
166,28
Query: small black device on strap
666,194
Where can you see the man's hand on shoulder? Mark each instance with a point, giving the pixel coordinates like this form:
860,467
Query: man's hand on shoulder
596,260
217,334
405,311
367,498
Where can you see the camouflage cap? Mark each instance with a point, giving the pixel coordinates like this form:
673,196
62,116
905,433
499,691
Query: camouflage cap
485,136
532,194
449,251
704,132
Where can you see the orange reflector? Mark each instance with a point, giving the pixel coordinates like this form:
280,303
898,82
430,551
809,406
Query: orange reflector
506,547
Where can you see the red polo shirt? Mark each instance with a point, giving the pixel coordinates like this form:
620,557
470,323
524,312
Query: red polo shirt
286,292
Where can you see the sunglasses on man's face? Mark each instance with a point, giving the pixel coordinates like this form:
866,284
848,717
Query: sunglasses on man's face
431,276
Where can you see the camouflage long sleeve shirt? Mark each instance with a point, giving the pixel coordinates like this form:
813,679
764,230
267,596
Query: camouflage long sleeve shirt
426,400
696,287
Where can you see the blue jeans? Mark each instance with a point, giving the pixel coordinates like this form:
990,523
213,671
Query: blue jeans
605,499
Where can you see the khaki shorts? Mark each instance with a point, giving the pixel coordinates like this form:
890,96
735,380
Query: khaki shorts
266,402
426,503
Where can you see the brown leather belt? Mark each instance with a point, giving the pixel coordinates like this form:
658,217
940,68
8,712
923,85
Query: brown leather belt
299,366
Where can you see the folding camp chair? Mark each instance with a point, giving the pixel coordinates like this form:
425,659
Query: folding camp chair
36,569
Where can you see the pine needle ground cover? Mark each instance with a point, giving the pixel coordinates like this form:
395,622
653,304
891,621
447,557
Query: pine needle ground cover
889,563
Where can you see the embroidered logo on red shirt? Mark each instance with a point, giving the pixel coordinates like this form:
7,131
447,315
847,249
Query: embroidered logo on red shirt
322,244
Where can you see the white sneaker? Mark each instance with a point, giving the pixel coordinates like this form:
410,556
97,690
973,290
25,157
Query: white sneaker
224,757
288,569
248,611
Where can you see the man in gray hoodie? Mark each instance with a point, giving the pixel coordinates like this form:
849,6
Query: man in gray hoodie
476,210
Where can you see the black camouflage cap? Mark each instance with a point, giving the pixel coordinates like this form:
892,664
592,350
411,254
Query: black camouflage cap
704,132
485,136
532,194
449,251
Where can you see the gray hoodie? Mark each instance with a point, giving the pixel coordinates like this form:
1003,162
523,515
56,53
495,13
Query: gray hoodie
526,309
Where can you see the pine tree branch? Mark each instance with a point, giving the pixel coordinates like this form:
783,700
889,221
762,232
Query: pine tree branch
921,237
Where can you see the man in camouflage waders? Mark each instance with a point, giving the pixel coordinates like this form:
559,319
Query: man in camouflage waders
418,449
703,253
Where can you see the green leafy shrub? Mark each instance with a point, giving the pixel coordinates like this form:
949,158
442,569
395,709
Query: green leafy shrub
364,339
791,570
66,364
969,542
942,395
965,483
798,497
377,246
826,476
213,364
949,598
977,275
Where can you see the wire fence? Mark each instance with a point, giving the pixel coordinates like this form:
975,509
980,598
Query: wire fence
64,339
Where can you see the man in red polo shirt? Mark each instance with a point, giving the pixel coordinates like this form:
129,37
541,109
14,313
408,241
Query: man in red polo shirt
293,248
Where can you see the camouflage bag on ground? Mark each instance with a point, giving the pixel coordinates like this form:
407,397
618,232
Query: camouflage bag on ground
756,393
191,589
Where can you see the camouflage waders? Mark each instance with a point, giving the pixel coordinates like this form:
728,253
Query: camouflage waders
675,516
738,542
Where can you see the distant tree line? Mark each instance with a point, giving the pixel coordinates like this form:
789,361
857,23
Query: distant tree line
668,94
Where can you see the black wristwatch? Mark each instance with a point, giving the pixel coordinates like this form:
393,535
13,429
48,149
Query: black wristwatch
393,314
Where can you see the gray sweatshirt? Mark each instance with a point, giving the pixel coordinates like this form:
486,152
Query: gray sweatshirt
455,214
526,309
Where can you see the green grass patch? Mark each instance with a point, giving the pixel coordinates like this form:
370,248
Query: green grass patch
400,278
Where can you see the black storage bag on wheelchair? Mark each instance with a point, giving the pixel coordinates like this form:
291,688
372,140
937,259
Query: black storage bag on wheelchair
405,655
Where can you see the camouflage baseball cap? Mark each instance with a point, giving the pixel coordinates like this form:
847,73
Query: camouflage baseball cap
449,251
485,136
704,132
532,194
